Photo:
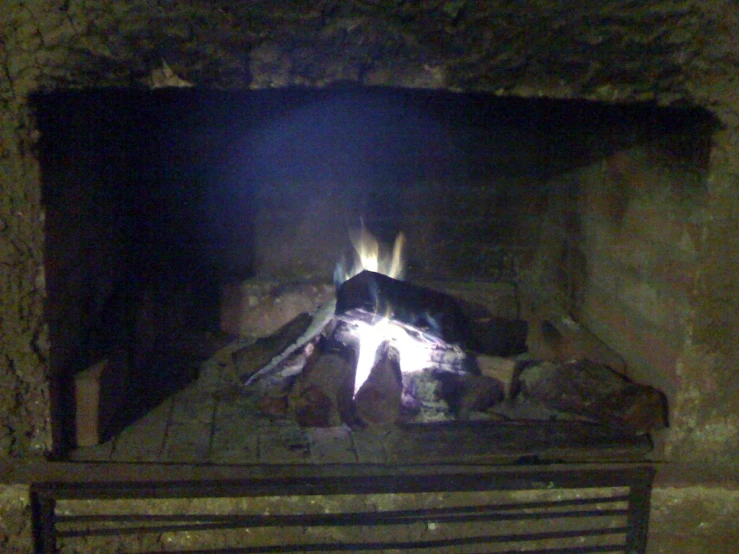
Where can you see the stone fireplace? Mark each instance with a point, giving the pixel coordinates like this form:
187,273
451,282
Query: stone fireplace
587,155
155,202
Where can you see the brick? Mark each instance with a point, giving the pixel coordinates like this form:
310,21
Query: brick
284,443
331,445
604,273
663,225
143,441
187,443
98,395
249,309
655,264
193,405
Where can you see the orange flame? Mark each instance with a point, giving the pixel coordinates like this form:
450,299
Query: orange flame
369,254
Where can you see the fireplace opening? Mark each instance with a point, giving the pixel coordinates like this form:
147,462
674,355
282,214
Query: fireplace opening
180,223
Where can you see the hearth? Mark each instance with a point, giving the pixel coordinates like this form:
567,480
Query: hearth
183,226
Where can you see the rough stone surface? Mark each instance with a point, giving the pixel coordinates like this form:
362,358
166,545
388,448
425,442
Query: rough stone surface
260,308
15,519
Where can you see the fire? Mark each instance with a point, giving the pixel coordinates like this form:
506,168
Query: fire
371,255
414,354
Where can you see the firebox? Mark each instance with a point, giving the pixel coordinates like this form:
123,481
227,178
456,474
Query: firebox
188,232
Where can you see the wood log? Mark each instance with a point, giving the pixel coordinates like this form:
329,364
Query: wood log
99,394
322,394
556,337
369,295
596,392
502,370
250,359
432,315
378,400
467,393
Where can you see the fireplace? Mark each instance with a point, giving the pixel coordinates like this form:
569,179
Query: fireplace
640,245
159,205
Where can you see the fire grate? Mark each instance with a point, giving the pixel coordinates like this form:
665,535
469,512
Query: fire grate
432,509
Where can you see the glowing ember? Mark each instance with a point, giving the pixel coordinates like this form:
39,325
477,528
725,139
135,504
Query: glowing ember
369,254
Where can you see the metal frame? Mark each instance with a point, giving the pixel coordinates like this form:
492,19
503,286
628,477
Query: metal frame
638,479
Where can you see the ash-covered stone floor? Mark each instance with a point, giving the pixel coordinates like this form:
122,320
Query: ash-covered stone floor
223,419
217,420
223,425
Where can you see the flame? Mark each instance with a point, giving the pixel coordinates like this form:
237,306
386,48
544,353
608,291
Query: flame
369,254
414,354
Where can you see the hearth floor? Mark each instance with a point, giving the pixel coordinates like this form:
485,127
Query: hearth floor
218,420
215,420
198,425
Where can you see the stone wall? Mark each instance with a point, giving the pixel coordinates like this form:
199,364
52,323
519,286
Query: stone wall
612,51
622,256
642,230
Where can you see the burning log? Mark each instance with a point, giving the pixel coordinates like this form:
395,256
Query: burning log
596,392
369,296
322,394
378,400
429,314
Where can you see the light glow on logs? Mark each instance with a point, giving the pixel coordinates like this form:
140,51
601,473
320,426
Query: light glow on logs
414,353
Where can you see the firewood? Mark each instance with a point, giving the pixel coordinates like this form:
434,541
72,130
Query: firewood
556,337
467,393
252,358
502,370
378,400
437,316
322,394
596,392
433,315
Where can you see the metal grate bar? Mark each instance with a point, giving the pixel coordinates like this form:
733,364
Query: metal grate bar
421,545
237,522
428,512
624,530
572,550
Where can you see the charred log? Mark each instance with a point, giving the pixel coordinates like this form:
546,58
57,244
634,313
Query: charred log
431,315
436,316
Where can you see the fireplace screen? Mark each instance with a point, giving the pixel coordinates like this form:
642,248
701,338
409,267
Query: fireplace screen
347,275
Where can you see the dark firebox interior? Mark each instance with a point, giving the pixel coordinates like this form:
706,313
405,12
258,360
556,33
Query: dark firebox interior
155,199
